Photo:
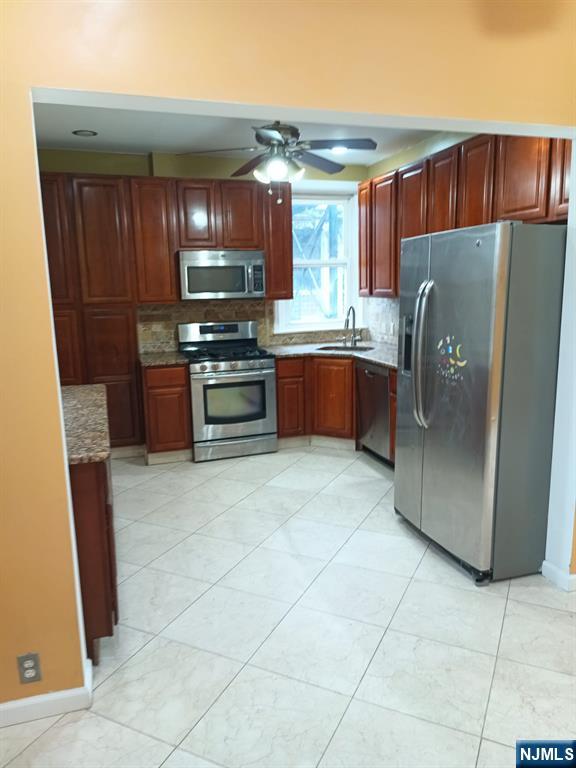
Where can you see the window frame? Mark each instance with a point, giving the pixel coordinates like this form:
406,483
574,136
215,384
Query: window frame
350,247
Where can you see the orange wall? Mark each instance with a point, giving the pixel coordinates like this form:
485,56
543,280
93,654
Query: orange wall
478,59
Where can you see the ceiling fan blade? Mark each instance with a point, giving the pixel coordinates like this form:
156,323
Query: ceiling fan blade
254,162
212,151
328,166
348,143
267,134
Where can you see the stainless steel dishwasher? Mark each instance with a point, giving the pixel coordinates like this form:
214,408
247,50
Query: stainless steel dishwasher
373,389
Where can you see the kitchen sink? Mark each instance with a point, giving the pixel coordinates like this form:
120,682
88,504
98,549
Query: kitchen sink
342,348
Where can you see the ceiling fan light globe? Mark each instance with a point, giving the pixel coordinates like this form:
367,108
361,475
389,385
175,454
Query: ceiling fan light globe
261,176
277,169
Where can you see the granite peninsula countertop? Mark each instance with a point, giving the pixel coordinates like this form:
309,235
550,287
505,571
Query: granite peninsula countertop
86,423
382,354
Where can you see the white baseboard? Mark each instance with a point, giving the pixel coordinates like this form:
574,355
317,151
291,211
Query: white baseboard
127,451
562,579
168,457
49,704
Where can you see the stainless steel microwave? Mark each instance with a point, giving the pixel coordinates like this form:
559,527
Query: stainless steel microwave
222,274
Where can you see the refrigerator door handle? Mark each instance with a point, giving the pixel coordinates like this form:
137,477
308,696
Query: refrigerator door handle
414,365
419,372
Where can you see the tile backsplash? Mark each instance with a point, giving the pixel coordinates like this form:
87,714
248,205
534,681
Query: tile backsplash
157,322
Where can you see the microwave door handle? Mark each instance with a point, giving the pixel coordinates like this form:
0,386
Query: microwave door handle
249,279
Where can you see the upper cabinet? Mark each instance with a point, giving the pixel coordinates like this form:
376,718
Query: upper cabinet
103,239
61,261
475,181
442,189
278,242
199,213
241,214
154,211
384,237
365,238
522,178
412,189
559,179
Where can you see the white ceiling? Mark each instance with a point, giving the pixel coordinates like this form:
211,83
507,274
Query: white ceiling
127,130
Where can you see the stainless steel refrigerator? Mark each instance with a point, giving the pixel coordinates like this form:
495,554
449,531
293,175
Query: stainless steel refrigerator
478,352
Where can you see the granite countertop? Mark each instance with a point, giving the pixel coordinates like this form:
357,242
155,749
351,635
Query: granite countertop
86,423
383,354
152,359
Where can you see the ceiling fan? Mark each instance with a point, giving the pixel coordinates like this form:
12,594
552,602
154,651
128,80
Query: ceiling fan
283,152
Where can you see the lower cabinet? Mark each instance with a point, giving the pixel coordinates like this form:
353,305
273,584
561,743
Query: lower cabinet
290,396
334,406
68,346
91,501
167,408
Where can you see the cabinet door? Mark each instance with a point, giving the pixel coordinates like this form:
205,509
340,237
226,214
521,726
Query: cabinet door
61,260
384,238
278,237
442,188
475,181
103,239
290,394
242,214
198,213
333,397
68,346
167,409
412,188
365,238
154,212
522,172
560,175
111,359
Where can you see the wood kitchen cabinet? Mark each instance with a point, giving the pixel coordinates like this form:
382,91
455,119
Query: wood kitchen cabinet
241,203
278,242
384,262
69,345
442,190
57,228
559,179
522,178
475,181
333,397
110,334
167,408
365,238
104,241
198,213
91,501
412,191
290,396
154,210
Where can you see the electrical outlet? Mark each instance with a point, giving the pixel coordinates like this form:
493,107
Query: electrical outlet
29,668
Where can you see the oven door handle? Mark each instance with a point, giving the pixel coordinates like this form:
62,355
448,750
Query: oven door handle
218,375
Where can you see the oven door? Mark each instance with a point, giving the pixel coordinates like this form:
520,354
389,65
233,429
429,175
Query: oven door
230,405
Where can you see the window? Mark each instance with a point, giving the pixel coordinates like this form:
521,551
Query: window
325,257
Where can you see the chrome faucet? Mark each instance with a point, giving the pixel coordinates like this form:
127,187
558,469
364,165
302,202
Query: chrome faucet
355,338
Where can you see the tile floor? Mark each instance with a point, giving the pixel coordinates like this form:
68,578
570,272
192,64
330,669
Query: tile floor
275,612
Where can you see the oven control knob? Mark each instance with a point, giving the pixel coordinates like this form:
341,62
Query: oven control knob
251,363
233,365
215,367
203,367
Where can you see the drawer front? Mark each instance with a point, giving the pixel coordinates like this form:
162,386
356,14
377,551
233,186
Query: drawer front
168,376
289,367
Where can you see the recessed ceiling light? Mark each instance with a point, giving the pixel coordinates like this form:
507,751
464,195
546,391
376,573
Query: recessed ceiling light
85,133
339,150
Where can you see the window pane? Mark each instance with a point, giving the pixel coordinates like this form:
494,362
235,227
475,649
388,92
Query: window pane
319,294
317,228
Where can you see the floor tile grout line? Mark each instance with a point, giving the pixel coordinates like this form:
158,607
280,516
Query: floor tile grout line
9,763
493,675
352,698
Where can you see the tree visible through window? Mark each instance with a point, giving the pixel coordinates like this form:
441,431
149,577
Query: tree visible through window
321,252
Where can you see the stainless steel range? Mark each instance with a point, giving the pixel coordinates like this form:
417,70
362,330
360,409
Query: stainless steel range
233,390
